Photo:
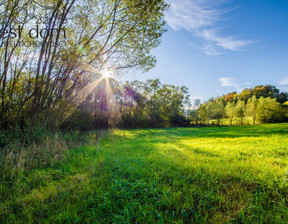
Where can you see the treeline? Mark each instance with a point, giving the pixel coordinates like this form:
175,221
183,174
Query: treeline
134,104
262,104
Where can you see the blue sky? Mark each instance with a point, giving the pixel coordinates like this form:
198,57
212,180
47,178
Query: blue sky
218,46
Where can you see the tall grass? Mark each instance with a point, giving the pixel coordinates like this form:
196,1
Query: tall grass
175,175
18,156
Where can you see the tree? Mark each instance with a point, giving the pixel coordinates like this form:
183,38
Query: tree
240,110
203,114
194,116
246,94
266,91
83,39
230,111
269,110
215,110
260,90
251,108
197,103
156,104
282,97
230,97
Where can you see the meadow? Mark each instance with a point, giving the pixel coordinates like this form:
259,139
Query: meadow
235,174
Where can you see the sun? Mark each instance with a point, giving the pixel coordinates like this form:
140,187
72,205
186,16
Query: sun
106,74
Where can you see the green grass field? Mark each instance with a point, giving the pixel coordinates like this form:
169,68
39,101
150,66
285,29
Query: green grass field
175,175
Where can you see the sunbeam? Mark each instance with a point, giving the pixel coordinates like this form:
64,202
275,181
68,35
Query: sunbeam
106,74
109,90
85,91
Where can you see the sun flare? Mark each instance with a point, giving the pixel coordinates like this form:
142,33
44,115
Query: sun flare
106,74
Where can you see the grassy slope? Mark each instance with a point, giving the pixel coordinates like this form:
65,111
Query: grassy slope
177,175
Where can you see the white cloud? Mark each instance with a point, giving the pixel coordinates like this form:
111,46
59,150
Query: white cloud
228,82
284,82
201,17
214,41
232,82
190,15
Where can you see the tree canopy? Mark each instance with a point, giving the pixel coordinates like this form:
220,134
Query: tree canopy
63,49
261,104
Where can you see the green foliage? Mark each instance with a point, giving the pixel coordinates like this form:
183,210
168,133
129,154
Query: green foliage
203,113
16,157
134,104
251,108
230,111
269,110
240,110
18,135
45,82
230,97
215,110
257,91
176,175
261,104
79,120
246,94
